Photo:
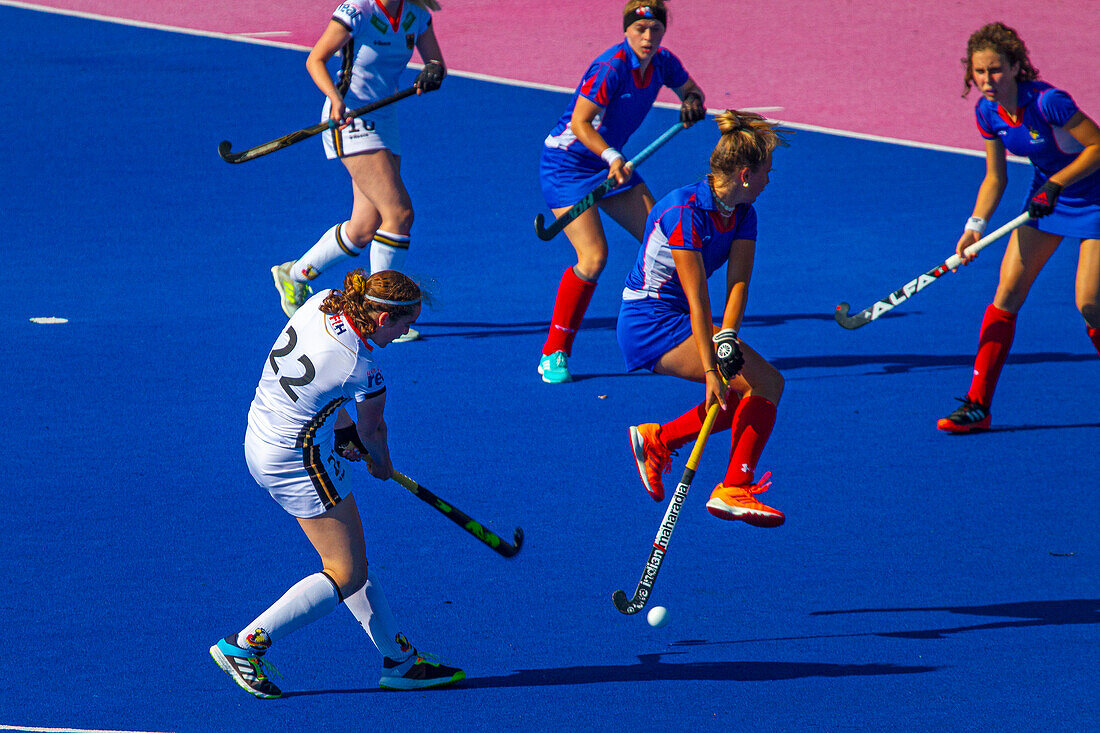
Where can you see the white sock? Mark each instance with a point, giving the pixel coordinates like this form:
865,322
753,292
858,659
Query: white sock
388,251
308,600
332,247
372,611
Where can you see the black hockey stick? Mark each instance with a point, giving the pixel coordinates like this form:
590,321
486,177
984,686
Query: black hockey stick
461,518
664,534
917,284
299,135
548,233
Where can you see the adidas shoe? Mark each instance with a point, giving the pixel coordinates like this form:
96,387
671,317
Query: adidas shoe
246,666
740,502
418,672
969,417
554,368
651,456
291,292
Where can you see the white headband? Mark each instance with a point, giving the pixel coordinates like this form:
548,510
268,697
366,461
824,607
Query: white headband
383,301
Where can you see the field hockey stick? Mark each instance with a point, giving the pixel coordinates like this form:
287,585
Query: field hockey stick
461,518
299,135
917,284
664,534
548,233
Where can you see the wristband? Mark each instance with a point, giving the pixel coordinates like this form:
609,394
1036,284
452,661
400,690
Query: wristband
610,155
724,330
975,224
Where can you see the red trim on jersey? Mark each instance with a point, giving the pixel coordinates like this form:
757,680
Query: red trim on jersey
1008,119
357,333
601,98
643,81
984,132
717,218
394,22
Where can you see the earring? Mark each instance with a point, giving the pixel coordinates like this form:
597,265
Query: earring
745,184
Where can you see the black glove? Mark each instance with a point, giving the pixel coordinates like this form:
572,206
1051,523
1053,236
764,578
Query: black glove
692,109
728,352
430,77
345,438
1042,203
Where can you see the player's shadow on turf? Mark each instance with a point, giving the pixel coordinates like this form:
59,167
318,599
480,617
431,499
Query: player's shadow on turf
904,363
1025,614
483,329
650,668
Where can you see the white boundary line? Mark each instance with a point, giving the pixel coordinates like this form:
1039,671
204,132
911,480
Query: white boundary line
250,38
63,730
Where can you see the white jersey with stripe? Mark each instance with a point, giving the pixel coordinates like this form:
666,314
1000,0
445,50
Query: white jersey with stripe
383,46
318,363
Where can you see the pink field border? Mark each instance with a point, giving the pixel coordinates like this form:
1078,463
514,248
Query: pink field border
886,69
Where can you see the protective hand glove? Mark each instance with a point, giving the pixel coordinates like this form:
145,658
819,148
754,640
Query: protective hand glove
692,109
1042,203
430,77
348,444
728,353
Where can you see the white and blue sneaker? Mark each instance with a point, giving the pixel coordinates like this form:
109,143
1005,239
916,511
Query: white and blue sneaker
554,368
418,672
246,666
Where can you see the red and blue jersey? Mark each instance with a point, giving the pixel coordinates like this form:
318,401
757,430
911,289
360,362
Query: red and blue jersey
688,219
1038,133
624,96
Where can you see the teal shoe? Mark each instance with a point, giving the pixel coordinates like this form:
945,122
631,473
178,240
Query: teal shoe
554,368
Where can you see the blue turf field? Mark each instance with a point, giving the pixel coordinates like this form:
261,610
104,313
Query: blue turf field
921,582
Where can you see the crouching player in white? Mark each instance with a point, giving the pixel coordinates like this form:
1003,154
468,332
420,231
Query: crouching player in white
322,360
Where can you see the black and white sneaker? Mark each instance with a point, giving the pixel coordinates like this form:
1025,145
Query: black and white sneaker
969,417
418,672
246,666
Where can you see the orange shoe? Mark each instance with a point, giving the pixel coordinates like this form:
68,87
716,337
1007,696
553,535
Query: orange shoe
651,456
969,417
740,502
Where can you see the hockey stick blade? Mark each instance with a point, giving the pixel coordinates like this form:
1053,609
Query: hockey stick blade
223,150
625,605
850,322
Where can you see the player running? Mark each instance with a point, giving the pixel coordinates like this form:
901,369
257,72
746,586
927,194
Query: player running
1031,118
582,150
322,361
665,322
376,40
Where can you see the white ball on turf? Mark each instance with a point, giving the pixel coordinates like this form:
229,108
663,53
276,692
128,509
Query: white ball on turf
657,616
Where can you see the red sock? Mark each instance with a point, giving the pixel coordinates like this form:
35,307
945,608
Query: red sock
569,307
994,341
1094,334
685,428
753,421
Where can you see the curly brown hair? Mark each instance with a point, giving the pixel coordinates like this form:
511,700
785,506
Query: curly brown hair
1005,41
747,142
355,300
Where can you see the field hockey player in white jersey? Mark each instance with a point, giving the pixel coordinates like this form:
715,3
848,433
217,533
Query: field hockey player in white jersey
376,39
323,360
